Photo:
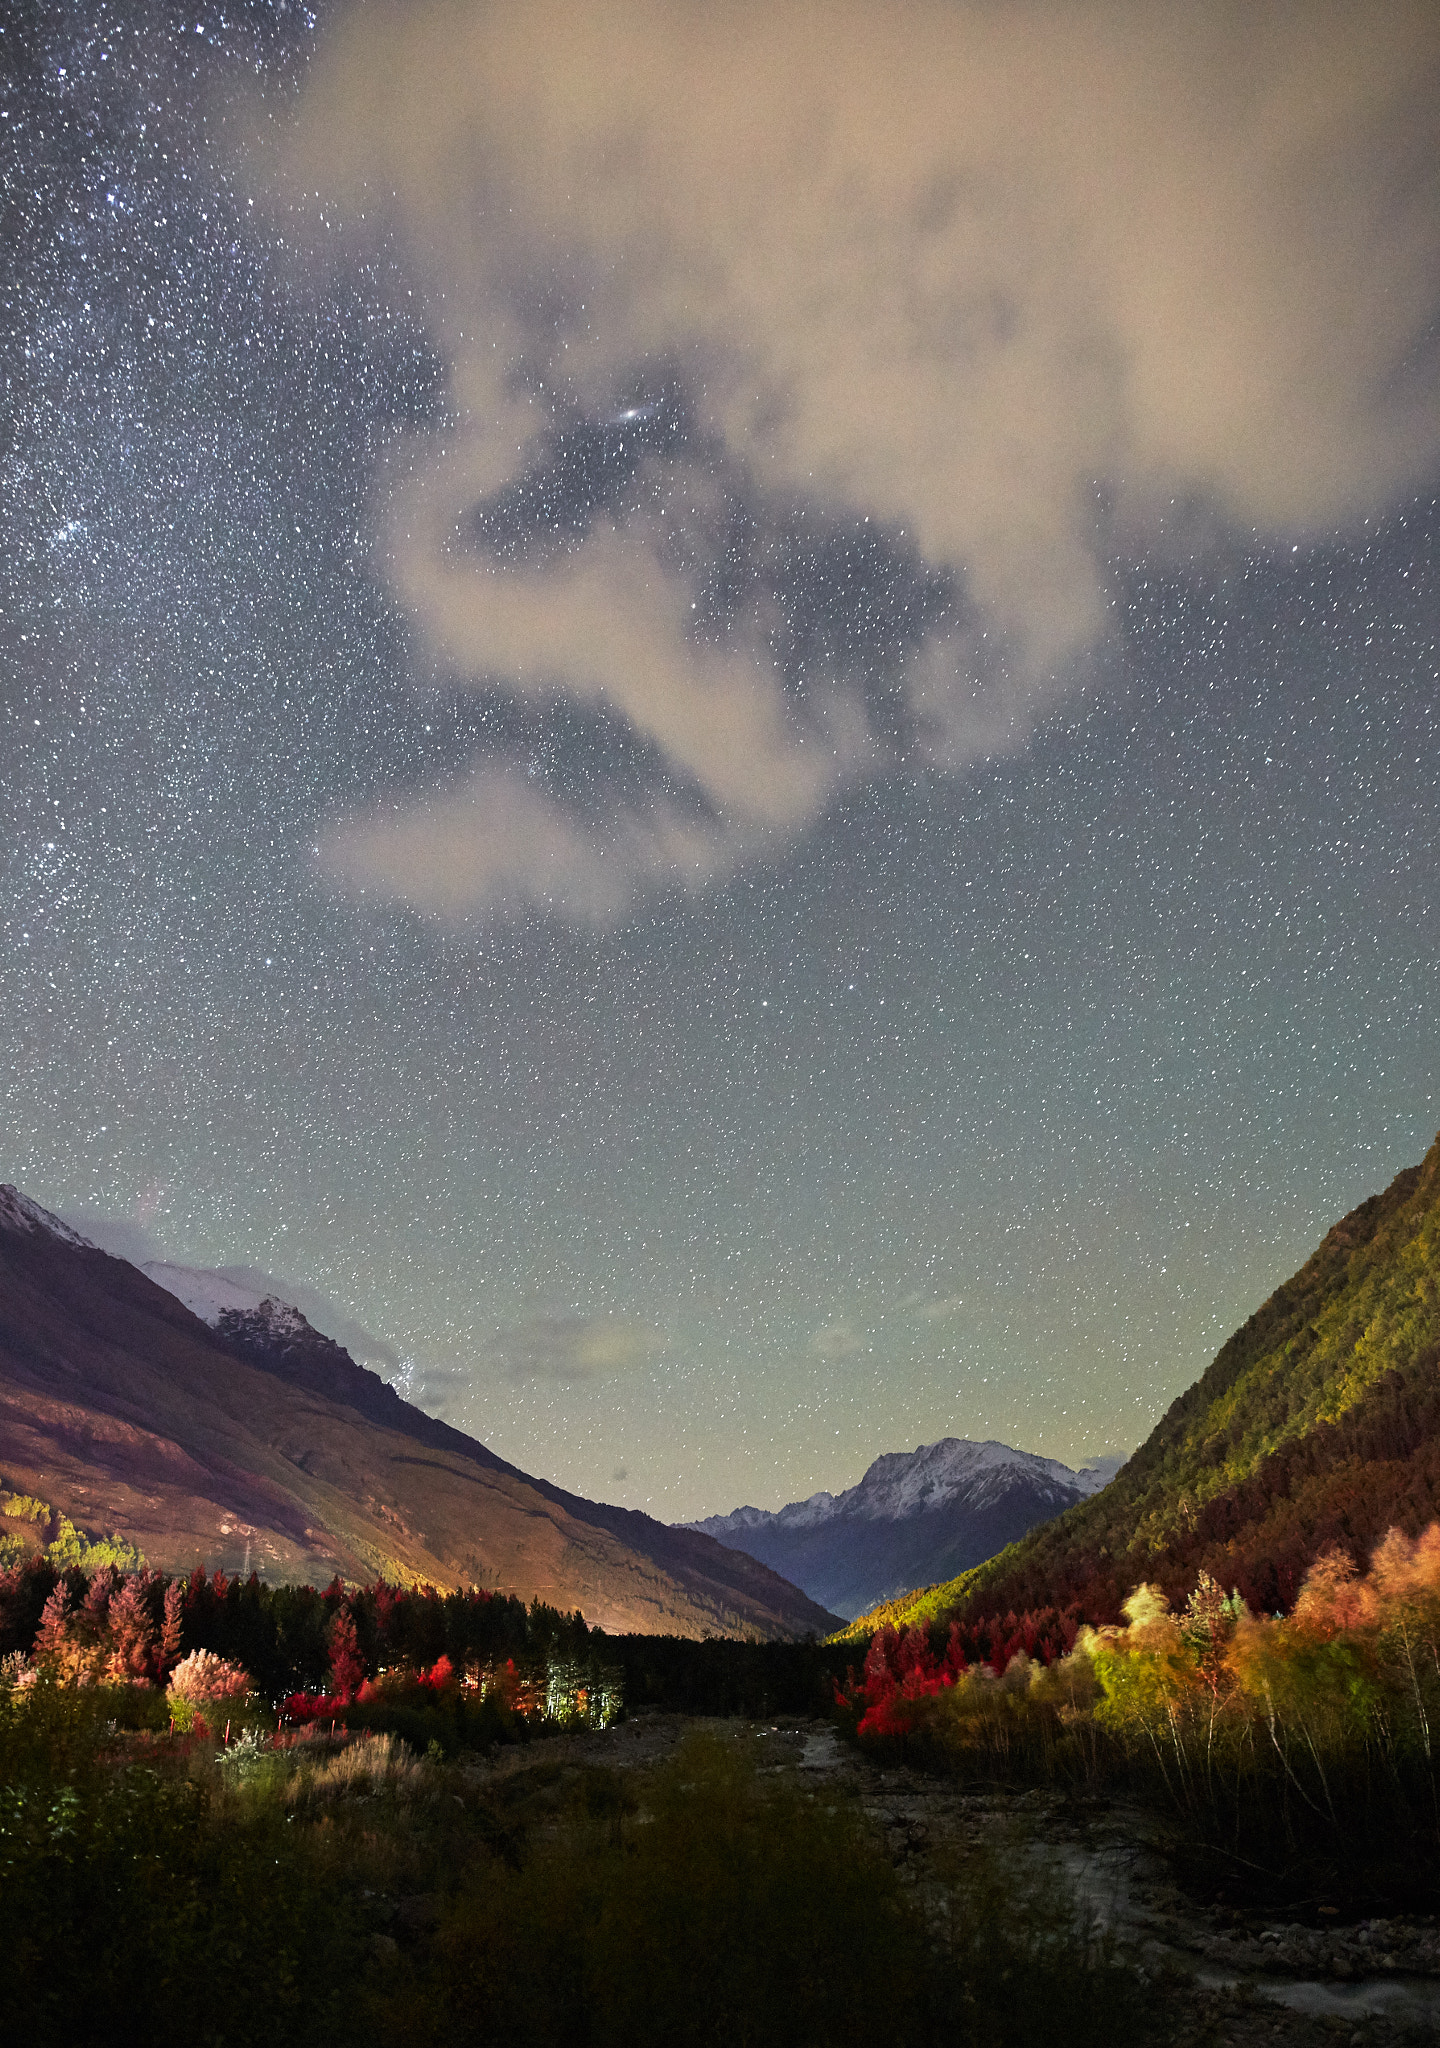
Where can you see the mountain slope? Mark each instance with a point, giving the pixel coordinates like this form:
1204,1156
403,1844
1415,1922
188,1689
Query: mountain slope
915,1515
266,1441
1318,1423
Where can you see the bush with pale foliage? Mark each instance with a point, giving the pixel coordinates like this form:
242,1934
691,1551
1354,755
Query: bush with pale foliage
202,1681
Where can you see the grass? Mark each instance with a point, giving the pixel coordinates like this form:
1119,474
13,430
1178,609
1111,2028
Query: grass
370,1765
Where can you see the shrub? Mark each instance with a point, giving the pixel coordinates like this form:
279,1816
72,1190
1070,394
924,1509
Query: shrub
135,1905
369,1764
1300,1748
202,1680
24,1507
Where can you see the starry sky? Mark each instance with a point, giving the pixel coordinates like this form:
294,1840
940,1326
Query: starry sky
725,717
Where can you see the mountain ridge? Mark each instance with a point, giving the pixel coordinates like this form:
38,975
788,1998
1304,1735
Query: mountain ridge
122,1407
1316,1424
943,1504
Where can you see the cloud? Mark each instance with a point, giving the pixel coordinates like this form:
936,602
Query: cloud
571,1348
124,1238
1024,283
836,1340
940,1311
490,844
1104,1466
443,1390
121,1236
604,627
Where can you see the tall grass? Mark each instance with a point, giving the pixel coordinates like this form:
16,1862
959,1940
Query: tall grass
373,1765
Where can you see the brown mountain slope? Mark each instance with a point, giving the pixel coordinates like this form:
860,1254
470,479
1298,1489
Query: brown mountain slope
125,1412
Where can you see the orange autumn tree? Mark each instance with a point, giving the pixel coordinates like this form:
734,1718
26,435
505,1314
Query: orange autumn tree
1207,1699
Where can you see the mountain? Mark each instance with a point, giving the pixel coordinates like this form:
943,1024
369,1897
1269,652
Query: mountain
263,1441
208,1290
1317,1424
915,1516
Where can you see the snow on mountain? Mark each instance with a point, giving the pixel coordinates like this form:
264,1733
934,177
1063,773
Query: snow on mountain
904,1483
18,1212
219,1298
210,1292
1099,1472
914,1518
283,1323
205,1293
798,1515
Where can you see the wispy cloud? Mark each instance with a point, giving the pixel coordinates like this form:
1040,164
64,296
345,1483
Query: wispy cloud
942,1311
836,1340
567,1348
1030,285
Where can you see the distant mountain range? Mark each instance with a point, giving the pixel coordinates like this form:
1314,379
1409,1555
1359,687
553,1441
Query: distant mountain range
915,1517
1317,1424
260,1443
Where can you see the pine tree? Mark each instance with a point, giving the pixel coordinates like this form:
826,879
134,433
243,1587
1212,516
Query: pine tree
347,1666
52,1636
170,1643
133,1649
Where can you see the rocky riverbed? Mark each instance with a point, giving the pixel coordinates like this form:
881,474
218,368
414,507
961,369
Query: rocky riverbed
1225,1979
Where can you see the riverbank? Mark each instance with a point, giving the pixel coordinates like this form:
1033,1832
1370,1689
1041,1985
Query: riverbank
1235,1979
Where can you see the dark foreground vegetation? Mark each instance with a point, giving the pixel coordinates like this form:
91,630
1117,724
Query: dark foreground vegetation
327,1888
232,1812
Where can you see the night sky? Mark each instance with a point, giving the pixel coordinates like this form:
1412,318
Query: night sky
729,715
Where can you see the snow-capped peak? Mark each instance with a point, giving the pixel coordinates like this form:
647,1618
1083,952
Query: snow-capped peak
902,1484
217,1297
1097,1473
206,1294
18,1212
279,1320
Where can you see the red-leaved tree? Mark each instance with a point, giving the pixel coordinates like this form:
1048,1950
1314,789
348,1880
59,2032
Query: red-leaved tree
347,1666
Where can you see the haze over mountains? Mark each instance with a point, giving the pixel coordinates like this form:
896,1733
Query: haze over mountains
914,1517
262,1442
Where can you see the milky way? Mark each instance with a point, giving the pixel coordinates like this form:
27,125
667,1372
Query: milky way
977,1089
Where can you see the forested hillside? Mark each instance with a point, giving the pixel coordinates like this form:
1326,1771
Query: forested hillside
1318,1424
